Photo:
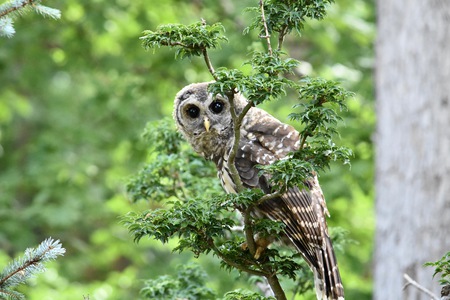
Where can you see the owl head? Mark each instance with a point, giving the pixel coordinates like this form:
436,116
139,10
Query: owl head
204,119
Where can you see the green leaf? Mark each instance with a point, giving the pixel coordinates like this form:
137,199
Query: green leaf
442,266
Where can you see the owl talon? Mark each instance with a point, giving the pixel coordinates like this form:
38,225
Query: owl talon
244,246
261,245
258,252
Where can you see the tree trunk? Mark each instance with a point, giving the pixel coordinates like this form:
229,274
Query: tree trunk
412,144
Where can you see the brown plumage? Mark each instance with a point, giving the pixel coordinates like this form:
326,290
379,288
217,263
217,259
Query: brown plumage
206,123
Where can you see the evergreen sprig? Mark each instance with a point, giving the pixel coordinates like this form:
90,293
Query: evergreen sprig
13,8
23,268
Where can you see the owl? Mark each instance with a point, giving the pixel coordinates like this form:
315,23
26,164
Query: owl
206,123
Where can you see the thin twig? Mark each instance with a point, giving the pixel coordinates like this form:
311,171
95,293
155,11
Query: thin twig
206,57
281,36
266,29
414,283
302,142
268,197
209,64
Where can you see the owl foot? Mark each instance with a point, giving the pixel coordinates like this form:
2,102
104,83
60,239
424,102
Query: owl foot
261,245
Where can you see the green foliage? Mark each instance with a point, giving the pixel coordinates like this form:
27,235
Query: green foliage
285,16
272,64
194,221
442,266
244,295
22,269
207,224
172,168
190,40
189,284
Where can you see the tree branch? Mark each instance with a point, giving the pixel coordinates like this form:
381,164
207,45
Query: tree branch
268,197
281,36
248,230
206,57
302,142
410,281
209,64
237,122
276,287
266,29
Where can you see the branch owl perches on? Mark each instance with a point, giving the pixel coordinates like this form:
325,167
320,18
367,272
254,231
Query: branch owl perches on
268,168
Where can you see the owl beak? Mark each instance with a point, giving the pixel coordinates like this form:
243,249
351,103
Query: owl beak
207,123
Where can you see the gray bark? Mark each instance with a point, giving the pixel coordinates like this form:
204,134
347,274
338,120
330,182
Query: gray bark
412,144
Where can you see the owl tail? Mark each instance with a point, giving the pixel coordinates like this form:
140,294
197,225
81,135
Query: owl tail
327,280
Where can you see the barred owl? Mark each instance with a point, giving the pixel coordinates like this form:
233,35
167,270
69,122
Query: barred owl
206,123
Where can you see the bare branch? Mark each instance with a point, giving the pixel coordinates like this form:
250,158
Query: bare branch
209,64
207,60
266,29
410,281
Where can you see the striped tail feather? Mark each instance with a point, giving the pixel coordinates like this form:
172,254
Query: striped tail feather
327,280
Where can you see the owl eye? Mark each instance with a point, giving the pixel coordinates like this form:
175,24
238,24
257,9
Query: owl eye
193,111
217,106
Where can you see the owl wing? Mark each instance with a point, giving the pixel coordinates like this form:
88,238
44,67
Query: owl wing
264,139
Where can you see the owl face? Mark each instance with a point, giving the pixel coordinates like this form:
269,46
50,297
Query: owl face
204,119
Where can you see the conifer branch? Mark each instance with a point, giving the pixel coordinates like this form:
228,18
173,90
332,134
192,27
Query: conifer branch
18,6
12,6
21,269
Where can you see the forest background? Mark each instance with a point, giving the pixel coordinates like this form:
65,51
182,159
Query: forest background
75,97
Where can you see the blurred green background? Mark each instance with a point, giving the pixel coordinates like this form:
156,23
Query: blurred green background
75,95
